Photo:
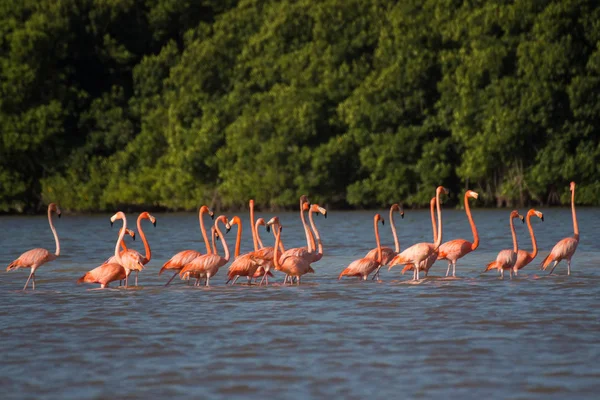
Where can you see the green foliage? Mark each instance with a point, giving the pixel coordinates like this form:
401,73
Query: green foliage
175,103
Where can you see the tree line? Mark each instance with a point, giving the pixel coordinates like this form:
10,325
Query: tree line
359,103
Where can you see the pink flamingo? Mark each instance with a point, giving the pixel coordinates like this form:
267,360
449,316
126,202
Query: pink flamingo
34,258
184,257
364,266
506,259
458,248
208,265
130,261
318,246
301,251
523,257
387,252
264,271
433,256
418,253
246,264
294,266
133,253
565,248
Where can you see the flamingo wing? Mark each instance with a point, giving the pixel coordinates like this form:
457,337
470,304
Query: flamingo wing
454,249
179,260
104,274
523,258
244,265
361,267
387,254
200,264
413,255
562,250
30,258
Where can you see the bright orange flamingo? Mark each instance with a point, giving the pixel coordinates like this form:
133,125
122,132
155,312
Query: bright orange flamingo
143,259
458,248
523,257
184,257
293,266
417,254
130,261
433,256
565,248
34,258
208,265
506,259
364,266
387,252
246,264
214,237
108,272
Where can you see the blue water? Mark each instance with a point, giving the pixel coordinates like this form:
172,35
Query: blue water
536,336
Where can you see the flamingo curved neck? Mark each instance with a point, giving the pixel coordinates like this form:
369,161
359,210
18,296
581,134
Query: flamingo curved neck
238,239
203,230
277,234
123,245
533,241
148,255
475,243
433,223
314,228
575,226
53,229
439,215
253,228
376,228
259,242
121,236
514,235
225,248
393,227
306,229
280,241
214,241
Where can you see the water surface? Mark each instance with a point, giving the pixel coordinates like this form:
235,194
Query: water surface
531,337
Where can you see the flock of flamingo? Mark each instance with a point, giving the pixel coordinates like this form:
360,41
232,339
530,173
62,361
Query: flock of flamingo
296,262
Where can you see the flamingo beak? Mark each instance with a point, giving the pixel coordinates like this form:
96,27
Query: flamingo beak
212,215
268,227
522,219
111,224
154,223
59,214
382,221
402,214
542,218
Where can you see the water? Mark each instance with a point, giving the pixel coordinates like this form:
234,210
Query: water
535,336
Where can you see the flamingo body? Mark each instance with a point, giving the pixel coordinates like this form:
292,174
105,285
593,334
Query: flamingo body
104,274
387,255
505,259
563,250
32,259
362,268
179,260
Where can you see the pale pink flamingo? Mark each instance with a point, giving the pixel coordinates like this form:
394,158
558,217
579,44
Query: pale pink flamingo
208,265
129,261
507,258
264,271
184,257
301,251
294,266
386,252
246,264
523,257
565,248
433,256
417,254
458,248
364,266
214,237
265,254
318,246
34,258
144,259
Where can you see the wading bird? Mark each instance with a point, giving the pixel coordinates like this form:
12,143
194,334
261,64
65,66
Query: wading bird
387,253
523,257
507,258
364,266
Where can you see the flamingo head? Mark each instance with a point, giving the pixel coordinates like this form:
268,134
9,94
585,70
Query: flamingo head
205,209
54,207
118,215
261,221
538,214
441,189
572,186
318,208
273,221
129,232
146,215
396,207
472,194
224,220
515,214
378,218
303,200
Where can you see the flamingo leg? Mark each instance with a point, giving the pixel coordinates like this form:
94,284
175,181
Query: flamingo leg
235,279
454,268
448,270
126,280
298,281
173,277
136,276
568,269
207,280
376,274
554,266
502,272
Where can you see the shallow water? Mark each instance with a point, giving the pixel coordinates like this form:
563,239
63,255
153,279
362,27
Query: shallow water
531,337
